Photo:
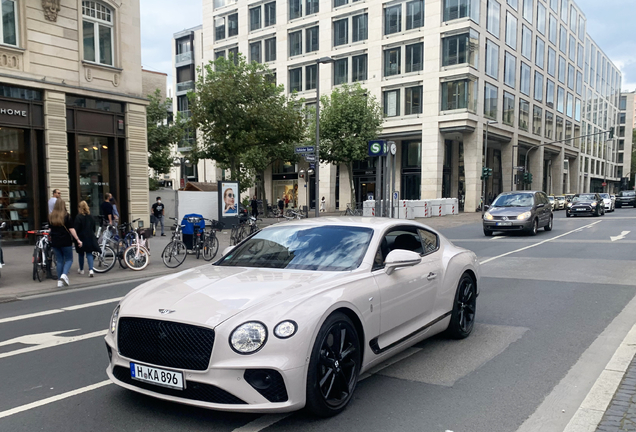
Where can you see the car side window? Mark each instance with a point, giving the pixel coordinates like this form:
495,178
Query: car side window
405,238
429,240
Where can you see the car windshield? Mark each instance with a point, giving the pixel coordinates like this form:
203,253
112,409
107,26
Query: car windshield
560,198
514,200
324,248
605,196
584,197
551,198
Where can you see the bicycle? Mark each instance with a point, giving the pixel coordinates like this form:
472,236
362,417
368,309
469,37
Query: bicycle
293,214
175,252
44,261
104,260
237,234
211,242
350,212
137,255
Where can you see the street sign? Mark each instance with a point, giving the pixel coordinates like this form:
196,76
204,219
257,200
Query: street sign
312,166
307,149
519,168
377,148
396,196
309,157
603,184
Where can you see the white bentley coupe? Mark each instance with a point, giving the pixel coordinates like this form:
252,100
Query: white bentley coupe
292,316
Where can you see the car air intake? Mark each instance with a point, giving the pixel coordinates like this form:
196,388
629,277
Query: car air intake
269,383
165,343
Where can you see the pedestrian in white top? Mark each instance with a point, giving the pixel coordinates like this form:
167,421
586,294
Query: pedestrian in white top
323,203
56,194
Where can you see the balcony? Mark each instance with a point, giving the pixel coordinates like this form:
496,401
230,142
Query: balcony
184,58
184,87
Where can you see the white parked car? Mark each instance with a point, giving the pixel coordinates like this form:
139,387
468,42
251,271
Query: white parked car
293,315
610,203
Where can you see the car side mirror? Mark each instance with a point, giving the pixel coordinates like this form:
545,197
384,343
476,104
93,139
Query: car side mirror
486,207
227,250
540,205
399,258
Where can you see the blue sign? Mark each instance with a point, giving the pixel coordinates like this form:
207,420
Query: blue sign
312,166
377,148
307,149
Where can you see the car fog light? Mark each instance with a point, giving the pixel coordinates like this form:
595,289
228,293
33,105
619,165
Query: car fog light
113,320
285,329
524,216
248,338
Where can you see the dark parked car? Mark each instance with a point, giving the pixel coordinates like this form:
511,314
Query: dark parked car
519,211
587,203
625,198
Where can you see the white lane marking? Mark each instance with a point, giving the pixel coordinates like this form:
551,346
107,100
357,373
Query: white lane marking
46,340
538,244
620,237
52,399
60,310
496,238
261,423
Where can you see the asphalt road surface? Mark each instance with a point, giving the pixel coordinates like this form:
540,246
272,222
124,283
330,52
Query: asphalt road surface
553,308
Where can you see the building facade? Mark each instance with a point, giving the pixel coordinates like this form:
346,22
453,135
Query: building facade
625,136
444,71
72,115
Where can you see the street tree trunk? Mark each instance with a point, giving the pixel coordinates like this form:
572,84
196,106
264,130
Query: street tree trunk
352,185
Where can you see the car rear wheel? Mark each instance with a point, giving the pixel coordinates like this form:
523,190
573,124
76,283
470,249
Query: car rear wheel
463,314
535,228
548,227
333,367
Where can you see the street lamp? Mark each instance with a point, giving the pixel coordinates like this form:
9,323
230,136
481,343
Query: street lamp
483,181
320,61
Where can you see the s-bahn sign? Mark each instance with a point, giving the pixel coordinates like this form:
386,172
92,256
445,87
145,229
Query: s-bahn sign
377,148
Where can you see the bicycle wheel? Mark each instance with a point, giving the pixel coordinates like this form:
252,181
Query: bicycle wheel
121,247
39,270
210,248
34,260
197,247
174,254
137,257
104,261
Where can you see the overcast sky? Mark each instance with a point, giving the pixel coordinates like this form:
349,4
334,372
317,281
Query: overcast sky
609,22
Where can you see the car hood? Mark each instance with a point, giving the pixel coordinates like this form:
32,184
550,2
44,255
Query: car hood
508,211
583,202
209,295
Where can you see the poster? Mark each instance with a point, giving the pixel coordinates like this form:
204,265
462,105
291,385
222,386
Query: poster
230,199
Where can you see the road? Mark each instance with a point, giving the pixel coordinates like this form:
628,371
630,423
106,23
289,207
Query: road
552,311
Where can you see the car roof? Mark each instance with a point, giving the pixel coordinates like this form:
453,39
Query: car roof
376,223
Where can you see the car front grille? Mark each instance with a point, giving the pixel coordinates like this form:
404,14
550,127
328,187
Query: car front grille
581,208
193,390
165,343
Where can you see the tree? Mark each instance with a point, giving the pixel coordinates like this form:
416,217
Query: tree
161,135
244,119
349,119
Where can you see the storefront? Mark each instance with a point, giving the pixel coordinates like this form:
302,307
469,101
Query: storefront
285,183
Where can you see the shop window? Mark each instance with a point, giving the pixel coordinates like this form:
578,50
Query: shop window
461,49
97,31
15,189
460,94
9,23
96,104
284,167
94,170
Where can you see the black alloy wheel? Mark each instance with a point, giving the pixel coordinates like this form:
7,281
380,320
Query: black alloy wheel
535,228
463,314
333,366
548,227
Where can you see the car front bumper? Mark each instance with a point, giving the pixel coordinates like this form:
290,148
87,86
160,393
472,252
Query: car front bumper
510,225
586,212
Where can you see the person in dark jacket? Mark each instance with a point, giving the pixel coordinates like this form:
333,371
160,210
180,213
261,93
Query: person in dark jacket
254,205
62,235
85,228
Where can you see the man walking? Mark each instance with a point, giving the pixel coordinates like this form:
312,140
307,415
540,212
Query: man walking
107,209
254,205
158,210
56,194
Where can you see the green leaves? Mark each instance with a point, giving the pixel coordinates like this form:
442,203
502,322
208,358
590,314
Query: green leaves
161,135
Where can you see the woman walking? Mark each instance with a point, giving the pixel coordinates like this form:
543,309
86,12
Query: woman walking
62,235
85,228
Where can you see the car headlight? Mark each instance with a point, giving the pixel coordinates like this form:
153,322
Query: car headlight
594,204
524,216
488,216
285,329
113,320
569,204
248,338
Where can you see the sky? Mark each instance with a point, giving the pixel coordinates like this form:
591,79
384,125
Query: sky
609,22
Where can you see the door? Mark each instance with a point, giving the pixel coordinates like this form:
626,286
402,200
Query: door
541,209
408,295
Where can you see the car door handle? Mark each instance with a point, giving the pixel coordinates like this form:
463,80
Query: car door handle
431,276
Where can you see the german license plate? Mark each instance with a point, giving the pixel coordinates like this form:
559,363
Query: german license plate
153,375
504,223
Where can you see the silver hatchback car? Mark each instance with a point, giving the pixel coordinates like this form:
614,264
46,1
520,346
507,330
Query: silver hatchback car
525,211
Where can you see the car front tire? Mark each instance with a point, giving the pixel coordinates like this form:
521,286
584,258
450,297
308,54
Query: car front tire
487,232
464,308
535,228
548,227
333,367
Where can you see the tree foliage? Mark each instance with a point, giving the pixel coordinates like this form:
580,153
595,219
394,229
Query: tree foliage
244,119
161,135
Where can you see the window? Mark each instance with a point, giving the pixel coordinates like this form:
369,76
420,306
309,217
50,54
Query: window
341,71
511,30
295,9
392,61
414,57
509,109
563,39
413,100
513,4
311,7
295,80
414,14
564,10
97,30
549,124
341,32
537,117
538,86
391,103
219,30
569,105
460,94
621,118
338,3
526,42
359,68
492,18
524,85
222,3
296,43
360,24
454,9
524,114
577,110
572,49
560,99
270,49
510,70
255,52
581,27
528,6
541,15
490,101
9,23
311,39
552,35
393,19
622,104
255,18
270,14
579,57
551,62
571,77
559,128
310,77
561,70
539,53
554,5
461,49
232,25
492,59
549,93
